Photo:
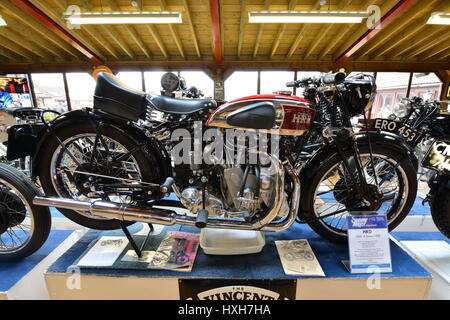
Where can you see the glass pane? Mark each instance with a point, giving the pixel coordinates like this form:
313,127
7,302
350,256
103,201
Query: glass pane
81,90
153,81
274,81
391,88
131,79
200,80
241,84
49,90
426,85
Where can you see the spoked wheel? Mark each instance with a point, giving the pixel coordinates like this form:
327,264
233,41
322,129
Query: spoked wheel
332,192
23,227
90,167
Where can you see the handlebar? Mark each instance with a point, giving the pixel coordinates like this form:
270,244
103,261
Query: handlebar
329,78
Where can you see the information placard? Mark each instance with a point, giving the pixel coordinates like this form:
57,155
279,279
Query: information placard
368,241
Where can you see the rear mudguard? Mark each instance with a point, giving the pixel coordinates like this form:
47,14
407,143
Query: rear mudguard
387,141
77,116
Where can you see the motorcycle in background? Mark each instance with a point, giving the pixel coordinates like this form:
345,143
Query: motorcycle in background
426,129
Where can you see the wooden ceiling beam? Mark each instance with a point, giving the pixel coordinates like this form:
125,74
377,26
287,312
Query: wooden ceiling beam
342,33
55,28
242,26
173,31
214,9
281,31
324,31
401,7
436,50
90,30
395,28
132,31
191,27
10,54
36,27
152,30
113,34
300,33
260,30
402,49
425,46
18,45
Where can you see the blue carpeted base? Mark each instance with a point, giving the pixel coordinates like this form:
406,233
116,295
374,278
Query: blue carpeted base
263,265
419,209
12,272
420,236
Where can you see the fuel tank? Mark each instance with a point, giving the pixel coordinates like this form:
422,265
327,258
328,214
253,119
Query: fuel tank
272,113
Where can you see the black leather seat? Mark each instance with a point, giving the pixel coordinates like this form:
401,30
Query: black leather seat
114,97
179,106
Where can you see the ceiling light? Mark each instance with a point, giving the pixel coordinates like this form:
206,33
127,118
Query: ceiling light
439,18
123,17
2,22
294,16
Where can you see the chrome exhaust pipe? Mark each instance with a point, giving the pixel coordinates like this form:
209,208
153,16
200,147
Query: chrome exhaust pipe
120,211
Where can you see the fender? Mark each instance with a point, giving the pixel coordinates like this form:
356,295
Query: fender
386,140
72,117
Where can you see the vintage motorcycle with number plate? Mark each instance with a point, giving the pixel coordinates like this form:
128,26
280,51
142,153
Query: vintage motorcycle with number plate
114,164
427,130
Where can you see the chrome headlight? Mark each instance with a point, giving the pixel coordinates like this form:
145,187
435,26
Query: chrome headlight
403,108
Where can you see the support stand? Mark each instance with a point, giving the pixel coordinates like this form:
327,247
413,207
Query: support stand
131,240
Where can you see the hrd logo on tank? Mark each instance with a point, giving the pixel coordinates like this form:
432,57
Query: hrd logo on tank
237,290
301,118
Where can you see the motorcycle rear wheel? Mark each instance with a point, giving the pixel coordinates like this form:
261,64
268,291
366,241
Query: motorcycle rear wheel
145,164
314,193
440,211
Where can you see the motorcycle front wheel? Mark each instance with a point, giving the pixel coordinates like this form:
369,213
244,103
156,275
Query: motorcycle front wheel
72,170
331,190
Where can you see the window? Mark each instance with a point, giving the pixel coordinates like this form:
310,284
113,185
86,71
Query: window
153,81
81,90
274,81
131,79
391,88
241,84
426,86
49,91
200,80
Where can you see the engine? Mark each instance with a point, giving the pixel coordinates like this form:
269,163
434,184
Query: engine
235,190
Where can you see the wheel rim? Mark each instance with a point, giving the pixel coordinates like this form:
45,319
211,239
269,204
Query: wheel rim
325,202
19,232
62,165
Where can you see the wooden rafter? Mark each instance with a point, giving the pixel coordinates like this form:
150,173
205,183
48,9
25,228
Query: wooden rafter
35,26
398,9
397,26
131,31
324,31
114,35
152,30
173,31
18,46
260,30
300,33
191,27
444,45
91,31
428,45
42,5
215,24
281,31
402,49
10,54
242,26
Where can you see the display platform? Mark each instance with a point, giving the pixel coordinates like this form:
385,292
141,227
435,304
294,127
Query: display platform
251,276
12,272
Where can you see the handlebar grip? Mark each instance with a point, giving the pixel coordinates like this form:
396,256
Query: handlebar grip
291,84
333,78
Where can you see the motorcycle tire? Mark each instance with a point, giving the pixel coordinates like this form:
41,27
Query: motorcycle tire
146,162
308,193
440,211
25,191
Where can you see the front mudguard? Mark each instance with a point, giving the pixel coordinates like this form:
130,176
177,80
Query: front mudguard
83,116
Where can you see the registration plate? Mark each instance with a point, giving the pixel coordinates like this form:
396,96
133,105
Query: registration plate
396,127
438,156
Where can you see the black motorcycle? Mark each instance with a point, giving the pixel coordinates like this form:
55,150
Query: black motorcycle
112,165
427,130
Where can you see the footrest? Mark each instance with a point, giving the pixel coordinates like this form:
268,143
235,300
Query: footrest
202,218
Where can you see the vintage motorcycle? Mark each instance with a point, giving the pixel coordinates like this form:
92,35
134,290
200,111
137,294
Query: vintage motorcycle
427,130
112,165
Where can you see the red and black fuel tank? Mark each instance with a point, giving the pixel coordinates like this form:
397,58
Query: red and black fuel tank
277,114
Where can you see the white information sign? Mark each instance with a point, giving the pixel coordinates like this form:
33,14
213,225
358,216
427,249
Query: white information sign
368,241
